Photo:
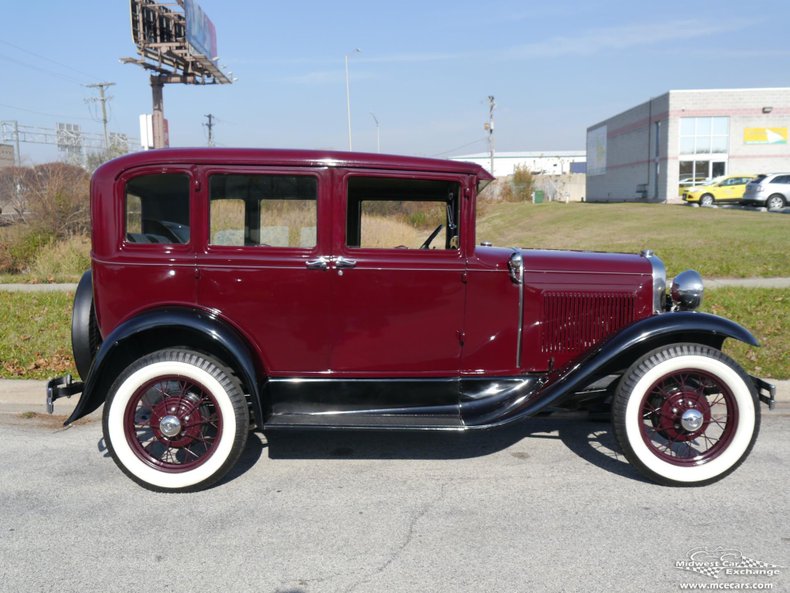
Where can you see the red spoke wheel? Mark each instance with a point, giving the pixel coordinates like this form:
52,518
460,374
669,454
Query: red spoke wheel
175,421
686,414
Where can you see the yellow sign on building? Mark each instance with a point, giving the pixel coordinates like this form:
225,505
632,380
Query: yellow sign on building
765,136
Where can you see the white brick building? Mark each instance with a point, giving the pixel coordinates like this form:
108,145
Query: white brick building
643,153
550,162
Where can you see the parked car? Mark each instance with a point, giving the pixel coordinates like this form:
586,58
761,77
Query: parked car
771,190
235,288
725,189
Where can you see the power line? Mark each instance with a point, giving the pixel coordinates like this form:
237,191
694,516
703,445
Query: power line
460,147
45,113
40,69
62,65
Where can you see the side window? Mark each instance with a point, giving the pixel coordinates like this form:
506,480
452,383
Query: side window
157,209
782,179
394,213
263,210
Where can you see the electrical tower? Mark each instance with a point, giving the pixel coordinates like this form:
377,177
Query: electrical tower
102,98
210,127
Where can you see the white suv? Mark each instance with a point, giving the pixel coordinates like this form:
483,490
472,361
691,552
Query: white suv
770,190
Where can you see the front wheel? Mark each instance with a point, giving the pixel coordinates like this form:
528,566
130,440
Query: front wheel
686,415
175,421
706,200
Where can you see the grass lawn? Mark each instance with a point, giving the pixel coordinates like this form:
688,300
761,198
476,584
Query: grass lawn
718,243
35,331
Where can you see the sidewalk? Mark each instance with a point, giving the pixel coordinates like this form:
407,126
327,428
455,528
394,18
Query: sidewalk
23,395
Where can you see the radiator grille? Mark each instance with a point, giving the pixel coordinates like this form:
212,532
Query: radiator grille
576,321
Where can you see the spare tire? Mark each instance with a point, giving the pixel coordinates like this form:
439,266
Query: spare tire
85,335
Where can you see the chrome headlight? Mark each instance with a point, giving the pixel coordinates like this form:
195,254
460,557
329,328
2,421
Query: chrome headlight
686,291
659,279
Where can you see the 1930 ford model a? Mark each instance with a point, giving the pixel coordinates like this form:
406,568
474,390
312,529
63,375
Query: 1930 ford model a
281,289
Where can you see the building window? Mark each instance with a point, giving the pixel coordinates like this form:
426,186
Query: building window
704,135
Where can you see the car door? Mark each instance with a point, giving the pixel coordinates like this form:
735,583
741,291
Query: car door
262,228
397,273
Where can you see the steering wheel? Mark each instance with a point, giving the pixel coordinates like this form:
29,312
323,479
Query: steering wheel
431,237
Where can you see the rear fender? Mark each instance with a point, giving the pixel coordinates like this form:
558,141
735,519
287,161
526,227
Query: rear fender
616,354
167,328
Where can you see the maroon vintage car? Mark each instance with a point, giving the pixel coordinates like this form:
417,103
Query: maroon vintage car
303,289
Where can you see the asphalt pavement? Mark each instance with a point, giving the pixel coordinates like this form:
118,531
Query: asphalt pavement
549,505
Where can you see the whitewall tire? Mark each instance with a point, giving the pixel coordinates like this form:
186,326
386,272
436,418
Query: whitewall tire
686,415
175,421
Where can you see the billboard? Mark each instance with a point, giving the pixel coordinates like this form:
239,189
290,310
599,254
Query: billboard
596,151
201,34
765,136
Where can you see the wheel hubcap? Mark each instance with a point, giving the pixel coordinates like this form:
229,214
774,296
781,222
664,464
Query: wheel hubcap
691,420
170,426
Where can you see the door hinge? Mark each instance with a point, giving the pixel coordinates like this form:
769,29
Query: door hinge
197,273
461,336
464,277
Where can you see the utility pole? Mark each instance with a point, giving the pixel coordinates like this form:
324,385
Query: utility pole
103,98
378,132
210,126
489,126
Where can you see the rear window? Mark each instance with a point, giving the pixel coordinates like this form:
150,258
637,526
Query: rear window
157,209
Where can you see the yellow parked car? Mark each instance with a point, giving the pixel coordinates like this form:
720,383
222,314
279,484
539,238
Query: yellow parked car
727,188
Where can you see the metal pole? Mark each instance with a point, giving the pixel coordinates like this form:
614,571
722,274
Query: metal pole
378,132
16,138
210,127
491,105
158,119
348,99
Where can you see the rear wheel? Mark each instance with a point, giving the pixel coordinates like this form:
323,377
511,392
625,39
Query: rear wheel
706,200
686,415
175,421
775,202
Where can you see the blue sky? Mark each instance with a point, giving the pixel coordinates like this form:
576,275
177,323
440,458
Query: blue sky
425,69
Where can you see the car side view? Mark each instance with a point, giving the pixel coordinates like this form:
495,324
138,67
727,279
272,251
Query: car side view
769,190
720,190
233,289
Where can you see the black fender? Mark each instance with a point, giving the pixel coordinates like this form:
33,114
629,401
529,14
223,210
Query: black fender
615,354
85,336
165,328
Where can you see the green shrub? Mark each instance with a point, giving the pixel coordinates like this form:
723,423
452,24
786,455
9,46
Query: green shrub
64,260
23,249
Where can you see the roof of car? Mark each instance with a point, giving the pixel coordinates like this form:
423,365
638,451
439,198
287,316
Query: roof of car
290,157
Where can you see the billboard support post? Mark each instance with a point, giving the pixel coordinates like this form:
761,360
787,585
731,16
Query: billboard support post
158,119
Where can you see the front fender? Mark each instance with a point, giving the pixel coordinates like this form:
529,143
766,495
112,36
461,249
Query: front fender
164,328
619,352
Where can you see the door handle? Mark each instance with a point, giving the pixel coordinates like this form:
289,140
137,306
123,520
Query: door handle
342,262
321,263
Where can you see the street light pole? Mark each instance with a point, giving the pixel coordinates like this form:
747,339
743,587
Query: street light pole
378,132
348,97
